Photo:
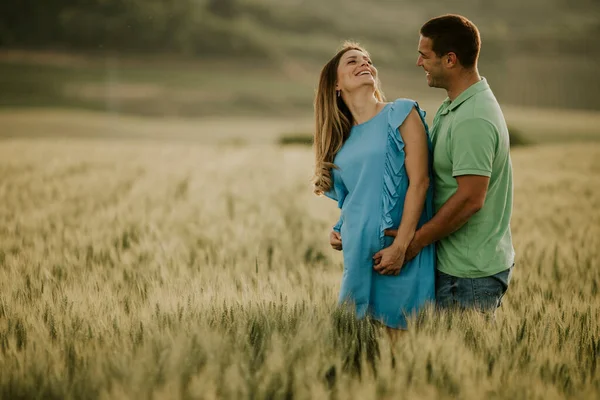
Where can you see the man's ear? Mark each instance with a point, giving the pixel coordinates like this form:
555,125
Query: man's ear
450,59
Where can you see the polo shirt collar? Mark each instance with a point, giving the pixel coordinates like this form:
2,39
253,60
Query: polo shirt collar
467,94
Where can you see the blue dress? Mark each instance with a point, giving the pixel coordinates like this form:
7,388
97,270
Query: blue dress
370,186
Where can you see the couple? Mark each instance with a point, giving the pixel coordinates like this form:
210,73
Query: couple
424,214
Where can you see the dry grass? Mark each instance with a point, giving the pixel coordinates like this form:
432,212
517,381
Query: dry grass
138,269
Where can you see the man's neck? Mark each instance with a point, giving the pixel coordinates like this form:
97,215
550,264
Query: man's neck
464,81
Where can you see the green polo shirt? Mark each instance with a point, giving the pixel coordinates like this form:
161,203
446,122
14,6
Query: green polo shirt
470,137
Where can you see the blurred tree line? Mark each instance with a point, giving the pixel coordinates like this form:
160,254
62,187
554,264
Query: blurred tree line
174,26
258,28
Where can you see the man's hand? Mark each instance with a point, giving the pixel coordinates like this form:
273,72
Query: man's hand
335,239
389,261
414,247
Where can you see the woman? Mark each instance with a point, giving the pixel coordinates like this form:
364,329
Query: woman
373,158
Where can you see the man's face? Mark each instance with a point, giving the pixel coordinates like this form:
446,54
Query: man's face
431,63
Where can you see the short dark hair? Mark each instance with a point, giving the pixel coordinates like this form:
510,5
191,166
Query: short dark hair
454,33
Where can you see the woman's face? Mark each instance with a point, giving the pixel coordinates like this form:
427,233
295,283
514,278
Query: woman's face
355,70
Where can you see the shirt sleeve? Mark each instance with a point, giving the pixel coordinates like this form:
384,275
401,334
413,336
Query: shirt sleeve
473,147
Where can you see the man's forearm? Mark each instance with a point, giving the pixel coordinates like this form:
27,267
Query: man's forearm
451,217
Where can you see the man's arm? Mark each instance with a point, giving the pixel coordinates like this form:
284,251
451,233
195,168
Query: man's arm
461,206
473,148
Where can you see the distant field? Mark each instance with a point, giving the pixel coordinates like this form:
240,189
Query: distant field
178,269
153,88
534,125
159,86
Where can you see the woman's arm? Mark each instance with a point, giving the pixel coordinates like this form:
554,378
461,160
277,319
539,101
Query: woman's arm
417,168
389,261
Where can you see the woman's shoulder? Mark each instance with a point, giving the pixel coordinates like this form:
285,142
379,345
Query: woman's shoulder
402,102
400,109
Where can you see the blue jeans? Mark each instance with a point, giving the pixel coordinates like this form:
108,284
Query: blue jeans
482,294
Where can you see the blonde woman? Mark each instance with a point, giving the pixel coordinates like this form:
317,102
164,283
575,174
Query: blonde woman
374,159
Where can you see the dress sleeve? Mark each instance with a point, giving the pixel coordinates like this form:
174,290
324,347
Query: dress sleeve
338,226
338,193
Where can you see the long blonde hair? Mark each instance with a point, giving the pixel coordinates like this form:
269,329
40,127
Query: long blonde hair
333,119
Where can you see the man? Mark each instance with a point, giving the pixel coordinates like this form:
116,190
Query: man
472,173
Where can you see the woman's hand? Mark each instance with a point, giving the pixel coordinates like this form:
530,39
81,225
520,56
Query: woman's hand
389,261
335,239
414,247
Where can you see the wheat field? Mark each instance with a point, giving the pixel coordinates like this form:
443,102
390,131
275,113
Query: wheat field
134,269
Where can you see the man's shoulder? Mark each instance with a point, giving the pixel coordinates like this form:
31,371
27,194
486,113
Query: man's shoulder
483,107
478,105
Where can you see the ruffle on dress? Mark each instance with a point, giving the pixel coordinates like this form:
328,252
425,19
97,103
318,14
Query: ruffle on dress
394,161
